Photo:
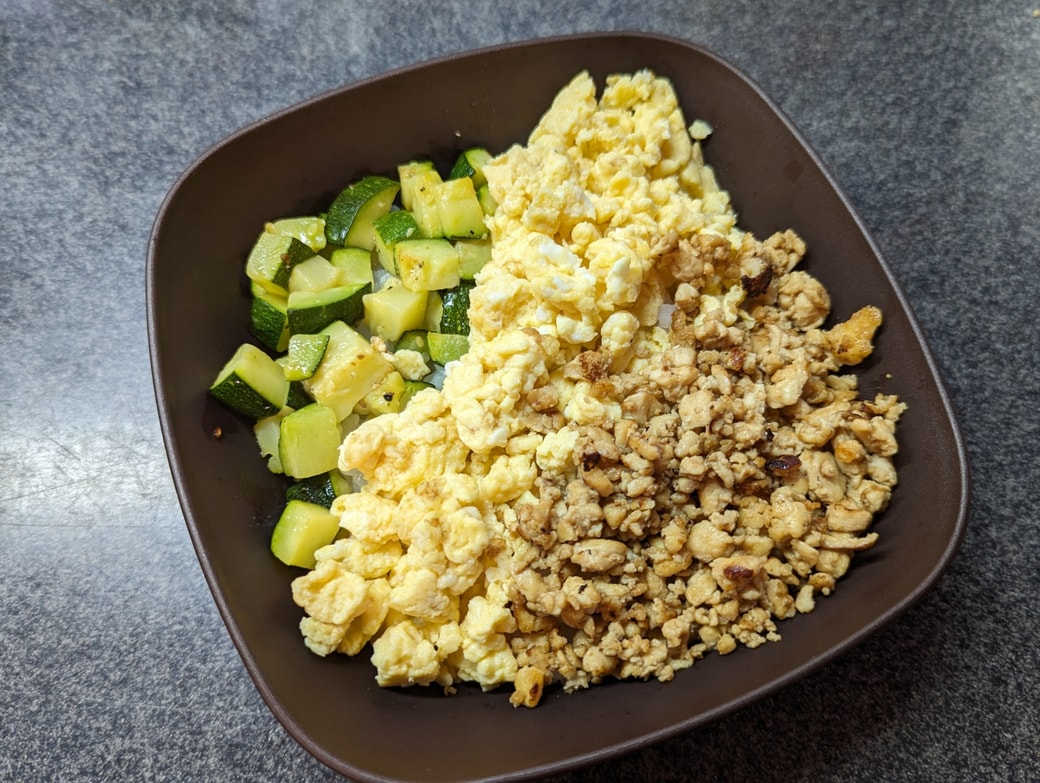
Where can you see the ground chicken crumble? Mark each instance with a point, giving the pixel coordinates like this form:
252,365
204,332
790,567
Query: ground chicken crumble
735,486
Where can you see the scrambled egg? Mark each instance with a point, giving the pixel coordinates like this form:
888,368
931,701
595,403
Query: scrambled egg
576,477
423,570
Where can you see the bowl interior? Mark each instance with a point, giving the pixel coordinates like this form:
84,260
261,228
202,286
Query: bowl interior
293,163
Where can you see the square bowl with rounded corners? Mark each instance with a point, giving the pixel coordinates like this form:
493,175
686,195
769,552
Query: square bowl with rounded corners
293,163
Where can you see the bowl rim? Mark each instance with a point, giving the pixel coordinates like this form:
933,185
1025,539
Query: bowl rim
286,718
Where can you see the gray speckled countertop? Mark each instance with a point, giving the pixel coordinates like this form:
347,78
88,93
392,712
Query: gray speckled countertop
113,660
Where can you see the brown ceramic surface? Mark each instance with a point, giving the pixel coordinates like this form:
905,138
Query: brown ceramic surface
293,163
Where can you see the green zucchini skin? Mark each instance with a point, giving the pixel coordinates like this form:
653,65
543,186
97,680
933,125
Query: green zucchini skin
455,312
414,340
389,229
251,383
310,312
320,490
349,219
470,163
298,397
446,348
272,259
305,352
269,319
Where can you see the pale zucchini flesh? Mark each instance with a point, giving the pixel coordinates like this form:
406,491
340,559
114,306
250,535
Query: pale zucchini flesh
387,396
427,264
349,370
354,265
446,348
410,174
425,206
314,274
308,441
301,530
459,210
307,229
390,312
473,256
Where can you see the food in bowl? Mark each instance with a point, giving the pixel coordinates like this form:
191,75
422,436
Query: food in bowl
641,445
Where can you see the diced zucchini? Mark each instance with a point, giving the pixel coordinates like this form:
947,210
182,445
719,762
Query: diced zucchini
349,220
393,310
471,164
427,264
411,388
455,309
308,441
314,274
268,317
434,308
350,369
320,490
354,265
390,229
312,311
425,202
309,230
407,173
304,355
266,432
298,395
301,530
459,210
273,257
473,255
446,348
385,397
414,340
251,383
341,485
487,201
346,426
313,489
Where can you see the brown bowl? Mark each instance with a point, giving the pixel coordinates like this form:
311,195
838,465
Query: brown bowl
292,163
